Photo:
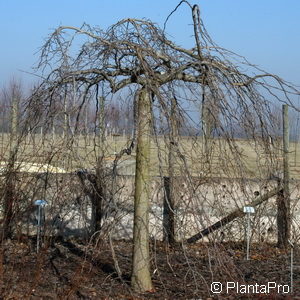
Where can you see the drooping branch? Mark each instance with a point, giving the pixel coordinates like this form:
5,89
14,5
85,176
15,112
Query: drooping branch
232,216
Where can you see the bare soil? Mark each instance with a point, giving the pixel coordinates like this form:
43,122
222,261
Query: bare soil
69,269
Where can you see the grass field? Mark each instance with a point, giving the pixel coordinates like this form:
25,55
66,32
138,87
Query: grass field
243,158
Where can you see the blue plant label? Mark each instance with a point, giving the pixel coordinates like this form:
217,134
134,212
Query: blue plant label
40,202
249,209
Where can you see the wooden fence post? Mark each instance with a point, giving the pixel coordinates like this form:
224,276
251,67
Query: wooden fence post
169,198
283,199
168,211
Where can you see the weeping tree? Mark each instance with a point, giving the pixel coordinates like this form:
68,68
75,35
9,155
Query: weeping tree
135,57
132,54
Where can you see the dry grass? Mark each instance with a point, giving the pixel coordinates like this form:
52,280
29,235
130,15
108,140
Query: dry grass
82,152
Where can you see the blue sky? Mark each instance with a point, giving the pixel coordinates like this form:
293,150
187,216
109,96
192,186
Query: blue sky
267,32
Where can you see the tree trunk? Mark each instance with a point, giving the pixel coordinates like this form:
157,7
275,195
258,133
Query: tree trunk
100,192
101,119
210,119
65,126
96,192
169,199
141,278
283,199
168,212
99,196
98,213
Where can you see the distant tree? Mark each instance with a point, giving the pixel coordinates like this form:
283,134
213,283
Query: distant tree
11,97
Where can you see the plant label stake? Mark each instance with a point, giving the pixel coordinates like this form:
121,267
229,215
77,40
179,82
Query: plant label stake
248,210
41,204
292,264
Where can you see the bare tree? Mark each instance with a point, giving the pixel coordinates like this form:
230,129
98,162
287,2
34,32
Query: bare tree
135,57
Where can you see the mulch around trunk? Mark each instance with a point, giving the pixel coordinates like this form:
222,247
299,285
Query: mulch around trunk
73,269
